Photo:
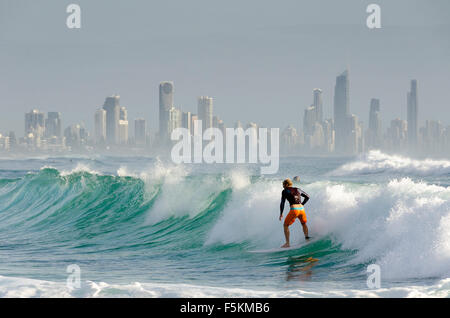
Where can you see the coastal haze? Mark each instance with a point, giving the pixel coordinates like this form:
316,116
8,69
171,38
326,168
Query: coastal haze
259,60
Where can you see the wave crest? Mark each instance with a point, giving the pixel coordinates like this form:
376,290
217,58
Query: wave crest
376,162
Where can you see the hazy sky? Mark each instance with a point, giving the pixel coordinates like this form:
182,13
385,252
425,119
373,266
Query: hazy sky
259,59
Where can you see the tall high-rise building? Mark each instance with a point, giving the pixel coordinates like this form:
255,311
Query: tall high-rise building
166,92
140,131
309,120
186,120
318,104
317,139
328,131
412,114
53,125
341,112
194,118
123,126
123,132
289,140
35,123
123,114
374,133
100,126
205,111
175,120
355,141
112,108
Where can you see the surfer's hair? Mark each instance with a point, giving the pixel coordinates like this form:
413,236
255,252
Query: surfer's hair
287,182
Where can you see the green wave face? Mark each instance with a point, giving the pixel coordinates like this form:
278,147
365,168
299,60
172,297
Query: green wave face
121,227
166,224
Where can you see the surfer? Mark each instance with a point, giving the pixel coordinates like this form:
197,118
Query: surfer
293,195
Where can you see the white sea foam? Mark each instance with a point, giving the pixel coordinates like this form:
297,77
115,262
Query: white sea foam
80,167
377,162
26,288
179,192
250,215
401,225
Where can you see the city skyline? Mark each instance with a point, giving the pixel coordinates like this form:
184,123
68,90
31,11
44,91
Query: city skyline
326,110
273,59
343,133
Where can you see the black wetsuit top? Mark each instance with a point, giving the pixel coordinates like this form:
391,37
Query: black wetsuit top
293,195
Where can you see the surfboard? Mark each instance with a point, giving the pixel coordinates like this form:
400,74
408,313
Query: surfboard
281,249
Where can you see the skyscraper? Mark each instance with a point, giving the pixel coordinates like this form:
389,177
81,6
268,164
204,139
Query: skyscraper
140,131
100,126
328,132
175,120
166,92
355,142
412,114
112,108
123,126
289,139
342,118
374,133
205,111
194,118
317,139
318,104
186,120
123,114
53,125
35,123
309,120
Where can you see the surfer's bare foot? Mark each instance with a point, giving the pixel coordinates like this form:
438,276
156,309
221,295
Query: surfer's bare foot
285,245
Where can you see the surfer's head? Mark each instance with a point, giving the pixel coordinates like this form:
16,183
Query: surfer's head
287,183
296,179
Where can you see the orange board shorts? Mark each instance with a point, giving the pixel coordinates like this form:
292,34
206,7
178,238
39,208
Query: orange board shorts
297,211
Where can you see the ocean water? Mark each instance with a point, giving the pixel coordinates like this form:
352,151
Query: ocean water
144,227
